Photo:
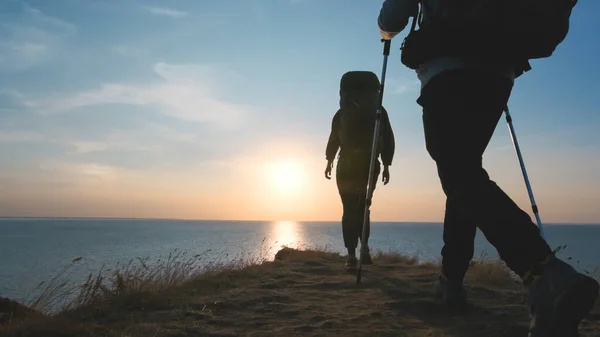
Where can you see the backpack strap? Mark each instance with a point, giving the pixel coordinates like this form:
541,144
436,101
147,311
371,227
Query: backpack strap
416,18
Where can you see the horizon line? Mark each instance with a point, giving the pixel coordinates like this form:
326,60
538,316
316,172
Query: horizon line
238,220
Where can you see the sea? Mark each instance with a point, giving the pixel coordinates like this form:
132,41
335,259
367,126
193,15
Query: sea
36,250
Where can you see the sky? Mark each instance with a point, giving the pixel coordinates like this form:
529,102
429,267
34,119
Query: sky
221,109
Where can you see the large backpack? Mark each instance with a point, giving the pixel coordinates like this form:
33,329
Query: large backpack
359,93
494,30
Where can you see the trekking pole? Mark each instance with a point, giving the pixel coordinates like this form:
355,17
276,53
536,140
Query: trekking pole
369,196
513,135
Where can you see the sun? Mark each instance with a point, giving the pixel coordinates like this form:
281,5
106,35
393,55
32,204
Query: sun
286,176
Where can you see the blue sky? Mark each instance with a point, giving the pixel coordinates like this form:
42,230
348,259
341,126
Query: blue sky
188,109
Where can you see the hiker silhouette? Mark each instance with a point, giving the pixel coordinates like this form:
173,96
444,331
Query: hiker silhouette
467,57
352,130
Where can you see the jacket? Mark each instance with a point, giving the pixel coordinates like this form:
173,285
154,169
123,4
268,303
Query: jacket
393,19
386,147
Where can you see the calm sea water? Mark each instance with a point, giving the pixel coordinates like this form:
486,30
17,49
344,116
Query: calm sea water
34,250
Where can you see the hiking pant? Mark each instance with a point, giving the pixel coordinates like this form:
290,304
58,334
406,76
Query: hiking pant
461,109
351,178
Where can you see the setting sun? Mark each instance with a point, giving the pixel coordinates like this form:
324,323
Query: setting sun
286,176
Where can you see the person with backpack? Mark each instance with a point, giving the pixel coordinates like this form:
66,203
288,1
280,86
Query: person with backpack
352,131
467,55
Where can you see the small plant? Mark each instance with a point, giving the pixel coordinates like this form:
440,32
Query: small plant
395,257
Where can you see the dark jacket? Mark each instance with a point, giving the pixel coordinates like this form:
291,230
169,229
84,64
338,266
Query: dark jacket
386,146
394,17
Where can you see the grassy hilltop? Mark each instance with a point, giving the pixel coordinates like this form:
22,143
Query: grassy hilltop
300,292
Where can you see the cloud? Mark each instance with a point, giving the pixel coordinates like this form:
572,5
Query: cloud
96,170
8,111
87,147
92,171
401,86
37,16
166,11
129,51
20,136
22,53
152,138
11,93
402,89
30,37
185,92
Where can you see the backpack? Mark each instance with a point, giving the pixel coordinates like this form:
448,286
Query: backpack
359,93
506,31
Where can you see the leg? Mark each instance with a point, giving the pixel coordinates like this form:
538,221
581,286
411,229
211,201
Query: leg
459,237
362,201
350,220
352,180
345,179
460,112
349,225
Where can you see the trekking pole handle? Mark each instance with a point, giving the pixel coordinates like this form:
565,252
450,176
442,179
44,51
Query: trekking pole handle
386,46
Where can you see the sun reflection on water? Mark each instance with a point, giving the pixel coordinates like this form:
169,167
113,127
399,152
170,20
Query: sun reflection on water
283,233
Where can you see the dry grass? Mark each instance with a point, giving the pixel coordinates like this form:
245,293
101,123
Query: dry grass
138,281
394,257
595,273
492,272
136,276
48,296
311,253
304,292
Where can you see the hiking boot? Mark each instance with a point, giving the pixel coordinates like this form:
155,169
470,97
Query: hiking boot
452,293
366,256
351,263
559,297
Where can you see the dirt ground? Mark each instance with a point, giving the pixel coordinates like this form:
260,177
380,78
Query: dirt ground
309,294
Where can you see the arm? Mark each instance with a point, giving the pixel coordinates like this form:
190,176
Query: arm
333,144
394,16
389,142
